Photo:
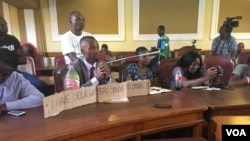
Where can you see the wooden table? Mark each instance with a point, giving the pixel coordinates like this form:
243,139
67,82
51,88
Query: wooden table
47,71
100,121
228,120
223,102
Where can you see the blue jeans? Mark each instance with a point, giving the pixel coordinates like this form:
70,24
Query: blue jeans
38,83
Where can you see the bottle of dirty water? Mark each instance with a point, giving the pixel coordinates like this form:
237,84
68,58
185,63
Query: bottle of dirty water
72,79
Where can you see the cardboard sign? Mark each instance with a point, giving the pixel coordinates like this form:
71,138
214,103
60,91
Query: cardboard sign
53,104
138,88
69,99
111,91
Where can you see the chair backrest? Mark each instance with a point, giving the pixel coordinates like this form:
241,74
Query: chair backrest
179,52
122,69
39,61
29,67
59,77
225,62
59,60
243,58
165,68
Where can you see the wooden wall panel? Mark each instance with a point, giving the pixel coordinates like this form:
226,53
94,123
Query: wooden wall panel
101,15
178,16
232,8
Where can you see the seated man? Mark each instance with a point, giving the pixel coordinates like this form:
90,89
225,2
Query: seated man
16,91
240,74
240,50
91,71
12,44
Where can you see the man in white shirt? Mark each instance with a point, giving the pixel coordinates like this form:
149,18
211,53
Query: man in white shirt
70,40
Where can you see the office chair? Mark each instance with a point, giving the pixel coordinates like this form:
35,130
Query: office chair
59,60
179,52
243,58
165,69
225,62
29,67
59,76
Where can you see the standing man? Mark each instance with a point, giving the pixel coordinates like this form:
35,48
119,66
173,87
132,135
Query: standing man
11,43
224,44
162,45
70,40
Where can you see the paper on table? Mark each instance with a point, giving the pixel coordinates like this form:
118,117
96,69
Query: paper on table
158,90
211,89
205,88
200,87
116,100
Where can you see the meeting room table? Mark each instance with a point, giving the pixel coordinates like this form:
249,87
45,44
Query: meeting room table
105,121
235,101
45,71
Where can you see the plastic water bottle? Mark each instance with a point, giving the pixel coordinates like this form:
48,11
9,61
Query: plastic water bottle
72,80
178,79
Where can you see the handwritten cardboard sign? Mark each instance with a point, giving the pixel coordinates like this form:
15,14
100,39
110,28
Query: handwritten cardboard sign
138,88
56,103
111,91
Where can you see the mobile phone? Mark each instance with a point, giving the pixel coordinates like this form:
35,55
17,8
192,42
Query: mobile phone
16,113
163,106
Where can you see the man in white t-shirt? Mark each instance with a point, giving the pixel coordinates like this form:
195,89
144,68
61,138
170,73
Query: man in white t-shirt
70,40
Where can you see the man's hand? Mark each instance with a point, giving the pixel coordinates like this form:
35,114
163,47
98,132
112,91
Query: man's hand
102,71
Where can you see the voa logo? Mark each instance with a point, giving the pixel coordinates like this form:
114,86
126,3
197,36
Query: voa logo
236,132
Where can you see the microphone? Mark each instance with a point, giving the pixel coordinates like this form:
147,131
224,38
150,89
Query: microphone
150,53
106,77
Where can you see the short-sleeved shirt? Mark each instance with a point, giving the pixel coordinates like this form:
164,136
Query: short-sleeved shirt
224,47
164,50
71,43
133,71
242,70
